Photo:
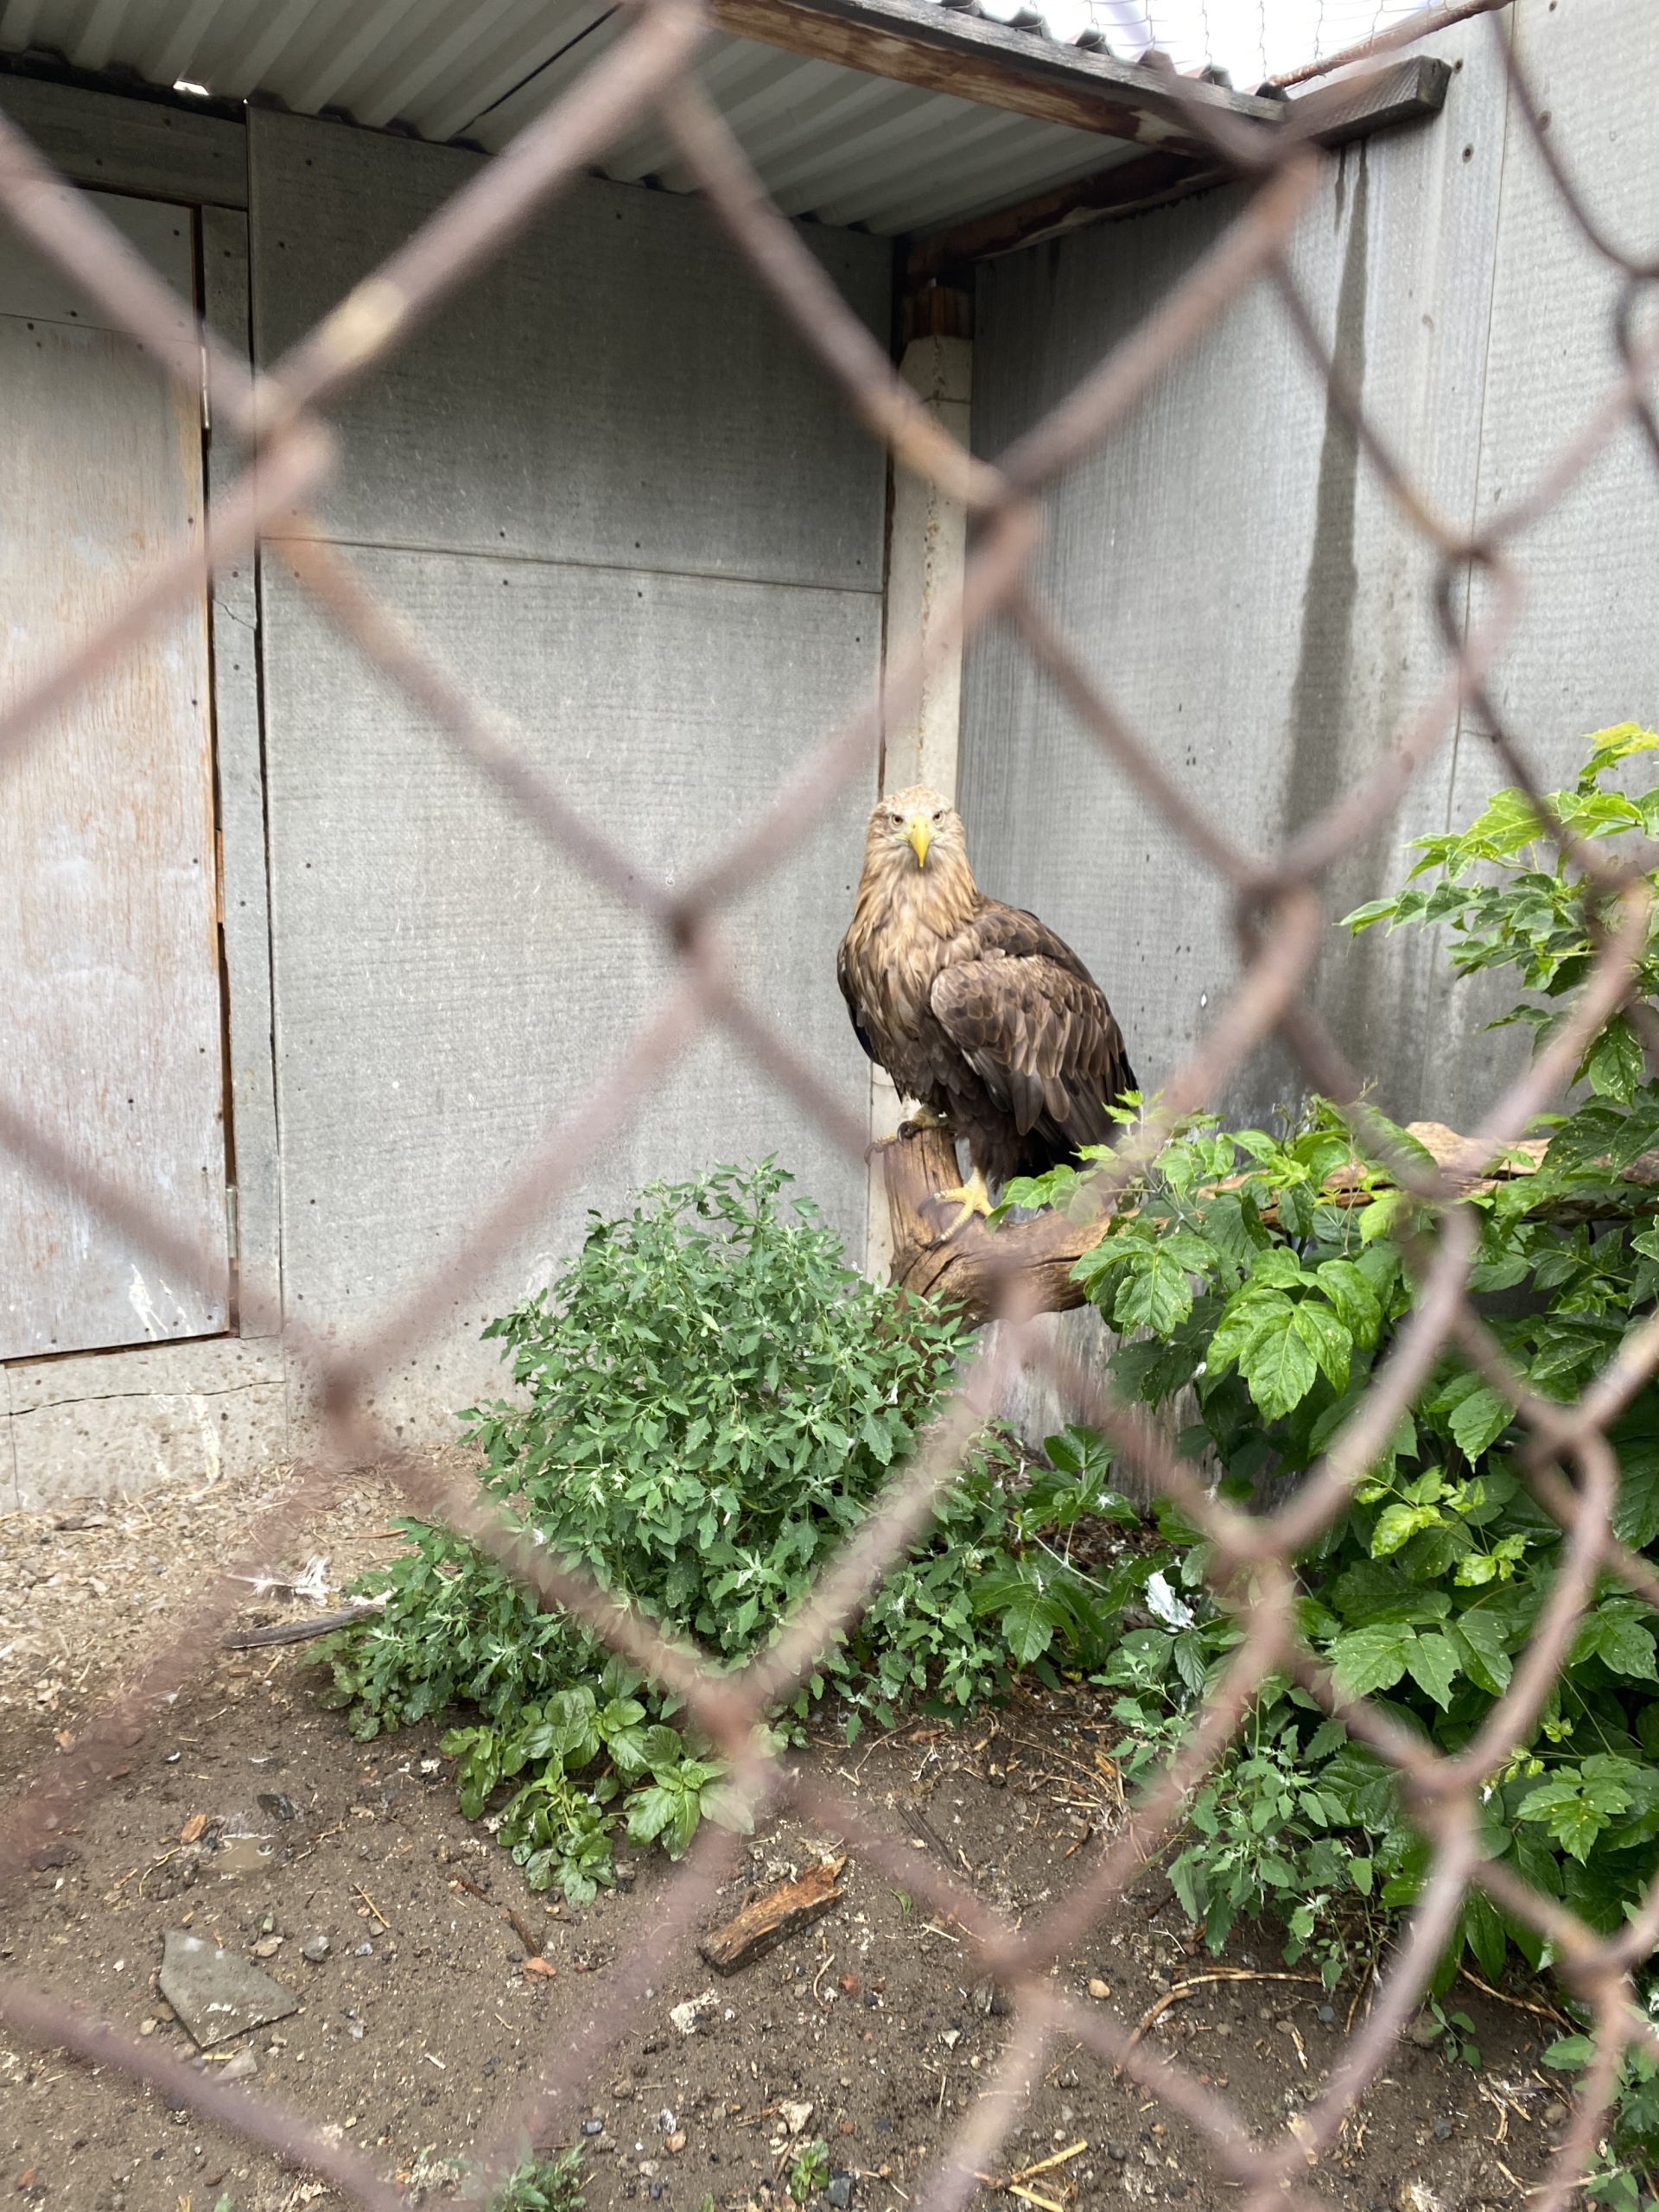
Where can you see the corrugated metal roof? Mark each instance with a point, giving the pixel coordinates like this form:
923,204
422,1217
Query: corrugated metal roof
828,141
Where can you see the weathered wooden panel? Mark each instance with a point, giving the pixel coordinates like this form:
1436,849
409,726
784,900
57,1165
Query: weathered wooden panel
447,986
1231,566
108,937
123,145
112,1423
617,388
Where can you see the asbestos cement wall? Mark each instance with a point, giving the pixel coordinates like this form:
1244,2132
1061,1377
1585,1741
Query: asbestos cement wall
1238,578
617,501
614,497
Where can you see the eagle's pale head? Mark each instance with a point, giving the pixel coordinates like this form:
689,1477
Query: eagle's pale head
917,830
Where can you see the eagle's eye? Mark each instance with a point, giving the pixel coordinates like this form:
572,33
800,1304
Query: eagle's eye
938,813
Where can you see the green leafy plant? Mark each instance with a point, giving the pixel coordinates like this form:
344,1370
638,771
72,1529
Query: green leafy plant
1453,2032
1634,2135
709,1400
809,2171
1268,1273
551,2184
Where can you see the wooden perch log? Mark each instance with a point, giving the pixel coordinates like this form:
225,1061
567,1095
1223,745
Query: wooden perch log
1026,1265
977,1268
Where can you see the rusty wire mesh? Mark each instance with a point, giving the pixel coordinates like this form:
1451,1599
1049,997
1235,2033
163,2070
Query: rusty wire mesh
281,415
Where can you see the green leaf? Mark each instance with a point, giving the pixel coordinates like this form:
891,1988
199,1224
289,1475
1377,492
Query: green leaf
1374,909
1576,1809
1481,1926
1570,2053
1478,1420
1396,1524
1368,1659
1350,1292
1331,1343
1157,1295
1608,745
1624,1645
1635,1516
1485,1659
1432,1662
1278,1366
1028,1624
1614,1065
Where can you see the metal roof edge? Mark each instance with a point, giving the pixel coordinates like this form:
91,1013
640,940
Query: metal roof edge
946,47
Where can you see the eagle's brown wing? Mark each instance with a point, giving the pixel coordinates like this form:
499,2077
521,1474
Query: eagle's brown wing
849,991
1034,1026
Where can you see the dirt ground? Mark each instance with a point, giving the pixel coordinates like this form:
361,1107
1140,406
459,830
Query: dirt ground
421,2014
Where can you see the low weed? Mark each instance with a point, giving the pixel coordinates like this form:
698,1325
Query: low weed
552,2185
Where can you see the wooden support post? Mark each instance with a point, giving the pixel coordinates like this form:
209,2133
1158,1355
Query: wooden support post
926,555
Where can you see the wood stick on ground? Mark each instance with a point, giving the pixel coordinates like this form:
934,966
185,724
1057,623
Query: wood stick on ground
249,1639
522,1930
1059,2159
1018,2188
1520,2003
1196,1982
765,1921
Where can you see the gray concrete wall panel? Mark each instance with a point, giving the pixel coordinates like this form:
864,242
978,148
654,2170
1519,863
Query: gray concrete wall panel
447,986
1236,575
109,1424
1584,653
615,389
131,145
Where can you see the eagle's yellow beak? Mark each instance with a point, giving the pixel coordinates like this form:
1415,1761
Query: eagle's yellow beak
920,833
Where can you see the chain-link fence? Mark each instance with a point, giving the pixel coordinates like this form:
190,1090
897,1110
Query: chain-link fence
281,414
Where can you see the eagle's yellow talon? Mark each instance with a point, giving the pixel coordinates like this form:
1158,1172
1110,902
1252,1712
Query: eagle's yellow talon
972,1197
923,1118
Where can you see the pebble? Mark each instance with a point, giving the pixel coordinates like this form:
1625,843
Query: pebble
1099,1989
315,1947
364,1951
1442,2130
840,2191
268,1947
593,2127
242,2068
1327,2014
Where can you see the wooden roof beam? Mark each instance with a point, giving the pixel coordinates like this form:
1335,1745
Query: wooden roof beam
1404,91
945,49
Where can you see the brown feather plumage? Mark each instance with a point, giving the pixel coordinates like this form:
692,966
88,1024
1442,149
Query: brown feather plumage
976,1008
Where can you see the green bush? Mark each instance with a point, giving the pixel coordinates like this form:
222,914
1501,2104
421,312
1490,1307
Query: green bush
1267,1274
710,1400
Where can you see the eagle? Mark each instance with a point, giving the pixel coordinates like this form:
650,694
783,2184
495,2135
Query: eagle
975,1008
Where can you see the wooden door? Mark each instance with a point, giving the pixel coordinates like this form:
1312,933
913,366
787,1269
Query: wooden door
111,1005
